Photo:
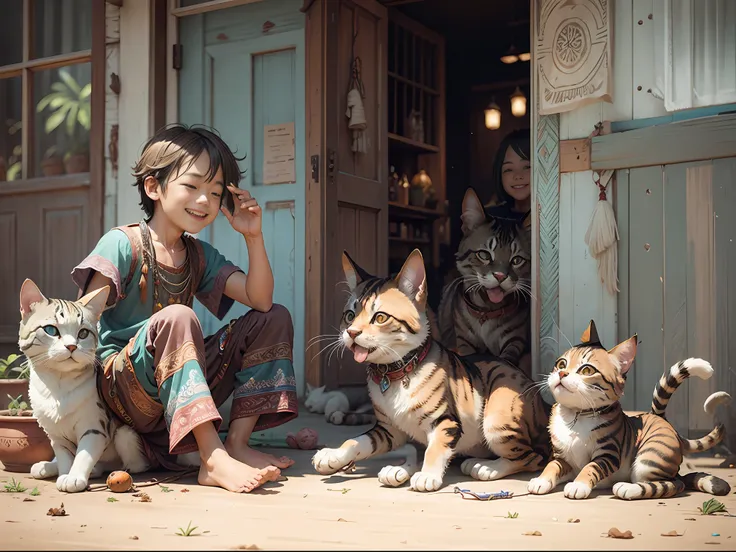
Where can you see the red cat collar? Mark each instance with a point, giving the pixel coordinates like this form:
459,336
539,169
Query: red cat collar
383,374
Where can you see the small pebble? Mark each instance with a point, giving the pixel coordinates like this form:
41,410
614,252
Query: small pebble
715,534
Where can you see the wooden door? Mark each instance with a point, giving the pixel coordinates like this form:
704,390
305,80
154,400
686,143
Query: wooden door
241,86
347,191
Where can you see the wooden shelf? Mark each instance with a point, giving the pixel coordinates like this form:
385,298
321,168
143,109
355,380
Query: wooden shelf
412,211
413,145
414,241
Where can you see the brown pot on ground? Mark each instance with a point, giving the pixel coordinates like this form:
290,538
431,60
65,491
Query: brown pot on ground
52,166
22,442
77,163
12,387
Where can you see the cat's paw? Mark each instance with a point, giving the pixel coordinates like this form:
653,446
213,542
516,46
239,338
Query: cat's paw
44,470
485,470
424,482
539,486
328,461
628,491
393,476
577,490
71,483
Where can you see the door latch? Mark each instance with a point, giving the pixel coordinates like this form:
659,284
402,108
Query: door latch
315,168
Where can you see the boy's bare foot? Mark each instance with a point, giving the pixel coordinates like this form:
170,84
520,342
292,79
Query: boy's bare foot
256,458
222,470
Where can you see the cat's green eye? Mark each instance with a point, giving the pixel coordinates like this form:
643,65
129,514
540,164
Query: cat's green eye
83,333
380,318
561,364
517,261
586,370
483,255
51,330
349,316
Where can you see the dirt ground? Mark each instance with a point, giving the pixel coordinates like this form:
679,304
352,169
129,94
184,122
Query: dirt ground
310,511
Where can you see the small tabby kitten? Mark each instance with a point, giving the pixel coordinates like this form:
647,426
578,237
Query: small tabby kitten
600,446
348,406
486,308
420,390
59,338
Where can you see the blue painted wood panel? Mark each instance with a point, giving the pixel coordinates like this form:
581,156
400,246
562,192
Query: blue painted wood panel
238,83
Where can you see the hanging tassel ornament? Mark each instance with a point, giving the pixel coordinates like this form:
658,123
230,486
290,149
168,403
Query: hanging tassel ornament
355,112
602,235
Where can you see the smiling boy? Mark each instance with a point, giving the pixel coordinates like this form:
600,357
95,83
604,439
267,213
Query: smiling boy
161,376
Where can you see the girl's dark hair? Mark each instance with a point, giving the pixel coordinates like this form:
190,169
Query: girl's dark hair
519,141
175,145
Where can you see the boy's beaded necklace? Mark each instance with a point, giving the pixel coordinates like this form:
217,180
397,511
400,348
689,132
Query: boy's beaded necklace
178,294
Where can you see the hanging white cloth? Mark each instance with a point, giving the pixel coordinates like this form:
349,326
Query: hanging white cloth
602,235
357,122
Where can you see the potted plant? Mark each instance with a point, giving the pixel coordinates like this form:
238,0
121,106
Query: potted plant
52,164
13,379
22,441
69,103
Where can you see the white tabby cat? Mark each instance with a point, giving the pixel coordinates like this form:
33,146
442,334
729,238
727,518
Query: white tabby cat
347,406
59,338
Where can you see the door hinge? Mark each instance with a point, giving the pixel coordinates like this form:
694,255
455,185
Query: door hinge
315,168
176,56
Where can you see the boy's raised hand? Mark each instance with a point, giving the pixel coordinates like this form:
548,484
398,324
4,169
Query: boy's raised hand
246,216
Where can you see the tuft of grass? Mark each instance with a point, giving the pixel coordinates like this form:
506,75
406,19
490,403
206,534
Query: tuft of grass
188,532
35,492
165,489
513,515
14,486
112,499
711,506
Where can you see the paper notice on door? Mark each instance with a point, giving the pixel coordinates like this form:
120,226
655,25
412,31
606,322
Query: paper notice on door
279,165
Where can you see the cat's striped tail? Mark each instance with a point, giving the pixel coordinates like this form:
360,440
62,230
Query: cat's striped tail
667,385
716,435
673,378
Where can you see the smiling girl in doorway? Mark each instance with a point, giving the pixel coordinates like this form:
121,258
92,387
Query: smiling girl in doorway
511,186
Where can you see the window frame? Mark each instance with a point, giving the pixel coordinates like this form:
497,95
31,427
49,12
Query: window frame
26,70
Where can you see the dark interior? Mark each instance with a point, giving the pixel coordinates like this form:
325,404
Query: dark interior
477,33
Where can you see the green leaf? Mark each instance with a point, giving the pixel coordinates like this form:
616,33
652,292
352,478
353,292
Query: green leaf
84,116
70,82
46,100
56,118
86,91
71,119
59,87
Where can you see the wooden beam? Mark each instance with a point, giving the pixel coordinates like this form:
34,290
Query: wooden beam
575,155
210,6
681,142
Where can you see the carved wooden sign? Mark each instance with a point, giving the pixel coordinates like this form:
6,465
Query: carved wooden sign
573,54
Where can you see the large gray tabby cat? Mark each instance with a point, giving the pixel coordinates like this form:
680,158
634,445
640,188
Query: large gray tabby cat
59,338
486,309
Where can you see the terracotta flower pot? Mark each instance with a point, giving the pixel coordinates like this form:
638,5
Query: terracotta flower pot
78,163
52,166
22,442
12,387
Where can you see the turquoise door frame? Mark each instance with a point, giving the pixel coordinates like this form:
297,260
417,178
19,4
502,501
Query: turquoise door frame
239,87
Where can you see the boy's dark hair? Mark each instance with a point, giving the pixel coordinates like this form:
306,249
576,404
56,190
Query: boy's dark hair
175,145
519,141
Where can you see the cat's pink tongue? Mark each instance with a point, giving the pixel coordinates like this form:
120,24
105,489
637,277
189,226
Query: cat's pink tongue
495,294
360,353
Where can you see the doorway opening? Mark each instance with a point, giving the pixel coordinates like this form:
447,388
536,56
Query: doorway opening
459,80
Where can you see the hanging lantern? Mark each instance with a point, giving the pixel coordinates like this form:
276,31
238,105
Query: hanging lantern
518,103
511,56
525,56
493,116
